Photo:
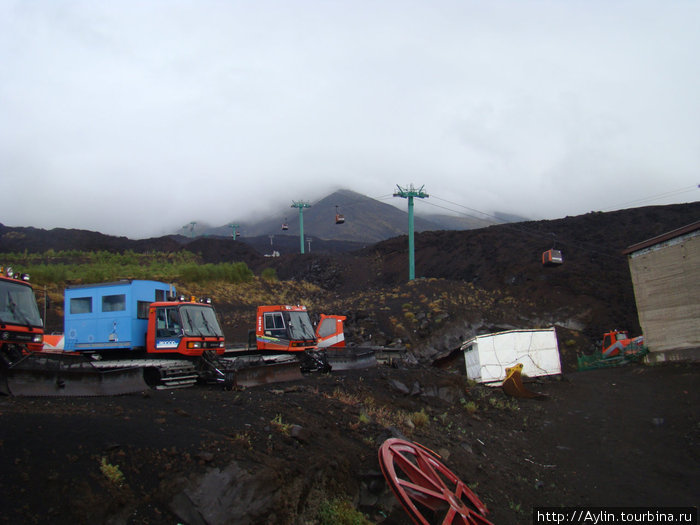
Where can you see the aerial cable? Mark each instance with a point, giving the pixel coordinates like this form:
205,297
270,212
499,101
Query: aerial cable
578,245
454,211
382,197
520,229
352,203
501,221
510,225
671,193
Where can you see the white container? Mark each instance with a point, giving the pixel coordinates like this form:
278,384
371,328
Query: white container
487,356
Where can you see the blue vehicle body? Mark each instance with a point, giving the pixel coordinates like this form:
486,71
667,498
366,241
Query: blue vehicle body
110,315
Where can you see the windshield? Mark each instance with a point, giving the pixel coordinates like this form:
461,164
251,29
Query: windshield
300,326
18,305
200,321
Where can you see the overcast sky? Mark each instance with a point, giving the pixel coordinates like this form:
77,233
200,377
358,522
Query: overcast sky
136,117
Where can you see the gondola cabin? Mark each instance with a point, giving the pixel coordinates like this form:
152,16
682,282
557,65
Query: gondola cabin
339,219
552,258
284,226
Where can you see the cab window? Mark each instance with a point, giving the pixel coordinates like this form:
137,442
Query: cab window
168,322
274,324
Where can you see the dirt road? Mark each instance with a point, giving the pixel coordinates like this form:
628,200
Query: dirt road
625,436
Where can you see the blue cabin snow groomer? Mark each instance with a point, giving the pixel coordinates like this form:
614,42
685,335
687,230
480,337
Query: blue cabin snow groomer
110,315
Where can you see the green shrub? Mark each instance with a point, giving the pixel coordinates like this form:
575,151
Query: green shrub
341,512
101,266
420,419
111,472
269,274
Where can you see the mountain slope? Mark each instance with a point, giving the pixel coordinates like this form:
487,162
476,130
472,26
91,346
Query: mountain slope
591,290
495,272
367,220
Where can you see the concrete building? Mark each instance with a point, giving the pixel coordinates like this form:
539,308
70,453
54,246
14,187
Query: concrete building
666,277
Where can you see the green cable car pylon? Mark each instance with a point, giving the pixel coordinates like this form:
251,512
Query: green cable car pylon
301,205
409,193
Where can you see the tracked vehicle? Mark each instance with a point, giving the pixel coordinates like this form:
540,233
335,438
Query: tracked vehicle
21,326
141,324
288,328
131,335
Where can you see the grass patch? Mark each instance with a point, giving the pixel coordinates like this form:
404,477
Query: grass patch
340,512
420,419
243,439
269,274
345,397
384,416
103,266
280,425
470,406
112,472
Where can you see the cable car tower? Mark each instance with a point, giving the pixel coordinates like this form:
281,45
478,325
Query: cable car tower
301,205
234,231
409,193
189,228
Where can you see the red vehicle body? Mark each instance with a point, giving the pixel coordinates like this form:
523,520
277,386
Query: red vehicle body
21,326
618,342
330,332
185,342
288,329
284,328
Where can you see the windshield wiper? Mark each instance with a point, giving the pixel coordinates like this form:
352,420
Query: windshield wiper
206,324
17,313
194,326
301,332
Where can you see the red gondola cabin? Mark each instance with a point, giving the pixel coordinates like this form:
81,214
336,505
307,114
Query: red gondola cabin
552,258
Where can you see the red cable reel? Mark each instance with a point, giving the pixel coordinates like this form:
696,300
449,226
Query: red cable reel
425,486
